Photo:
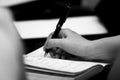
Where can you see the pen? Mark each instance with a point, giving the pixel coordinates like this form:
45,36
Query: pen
59,24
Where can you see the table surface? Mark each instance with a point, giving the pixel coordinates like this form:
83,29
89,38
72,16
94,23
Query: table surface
86,25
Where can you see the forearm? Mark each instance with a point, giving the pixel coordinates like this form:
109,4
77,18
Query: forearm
105,49
11,49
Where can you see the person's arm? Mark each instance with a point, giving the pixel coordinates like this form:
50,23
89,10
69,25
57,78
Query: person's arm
11,49
106,48
102,49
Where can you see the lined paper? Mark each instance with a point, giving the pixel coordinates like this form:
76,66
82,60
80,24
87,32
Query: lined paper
37,59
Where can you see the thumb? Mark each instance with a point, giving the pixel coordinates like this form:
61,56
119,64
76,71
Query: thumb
51,43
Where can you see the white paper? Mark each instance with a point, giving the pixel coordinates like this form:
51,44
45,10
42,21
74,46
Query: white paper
36,58
42,28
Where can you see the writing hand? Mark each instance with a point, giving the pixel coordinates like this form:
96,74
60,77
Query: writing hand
70,42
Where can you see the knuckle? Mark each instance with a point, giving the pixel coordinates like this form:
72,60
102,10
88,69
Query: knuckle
66,30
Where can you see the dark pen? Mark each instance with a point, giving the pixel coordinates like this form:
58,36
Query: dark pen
59,25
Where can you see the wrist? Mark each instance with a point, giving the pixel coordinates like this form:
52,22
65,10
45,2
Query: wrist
101,50
89,51
86,50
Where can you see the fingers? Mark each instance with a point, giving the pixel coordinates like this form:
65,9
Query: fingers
45,45
64,33
68,33
57,53
52,43
60,42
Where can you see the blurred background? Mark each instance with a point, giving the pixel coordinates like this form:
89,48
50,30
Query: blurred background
46,9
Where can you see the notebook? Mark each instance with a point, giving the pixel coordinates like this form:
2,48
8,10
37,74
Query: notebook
38,65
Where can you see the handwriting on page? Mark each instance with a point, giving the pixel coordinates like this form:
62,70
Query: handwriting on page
37,53
37,59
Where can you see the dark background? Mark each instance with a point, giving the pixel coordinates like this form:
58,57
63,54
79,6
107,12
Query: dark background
46,9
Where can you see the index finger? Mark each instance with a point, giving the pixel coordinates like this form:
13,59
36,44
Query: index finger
49,37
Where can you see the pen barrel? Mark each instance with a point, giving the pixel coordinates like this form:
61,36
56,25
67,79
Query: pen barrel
60,23
56,32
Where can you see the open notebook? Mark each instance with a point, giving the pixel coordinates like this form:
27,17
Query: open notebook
36,60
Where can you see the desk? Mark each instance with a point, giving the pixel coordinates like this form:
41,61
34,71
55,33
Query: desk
86,25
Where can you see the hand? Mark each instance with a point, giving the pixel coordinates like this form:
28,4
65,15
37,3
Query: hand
70,42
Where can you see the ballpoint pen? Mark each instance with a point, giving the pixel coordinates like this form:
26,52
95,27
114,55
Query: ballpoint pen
59,24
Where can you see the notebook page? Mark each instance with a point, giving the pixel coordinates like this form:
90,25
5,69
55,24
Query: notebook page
37,59
38,53
59,64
